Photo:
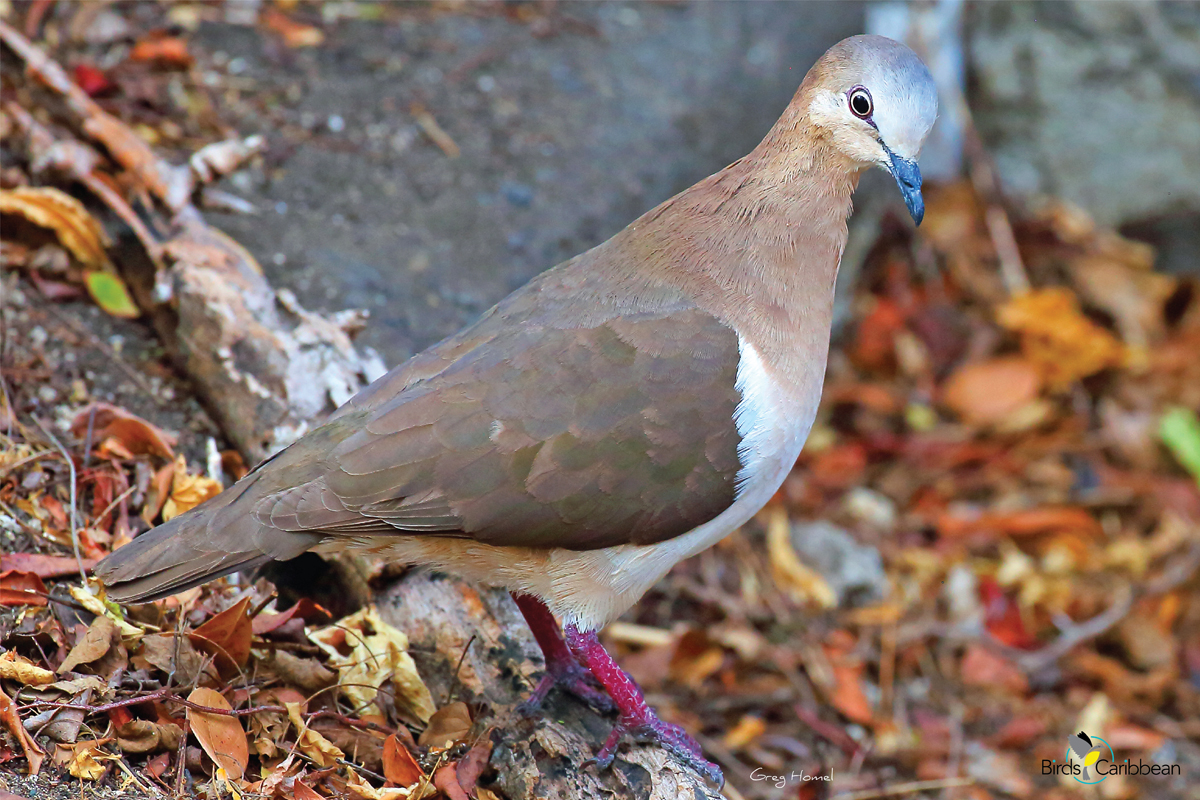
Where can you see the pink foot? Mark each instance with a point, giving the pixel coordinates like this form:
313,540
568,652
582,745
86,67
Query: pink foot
637,720
562,669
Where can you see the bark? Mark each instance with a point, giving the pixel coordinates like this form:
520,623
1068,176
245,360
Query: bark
472,644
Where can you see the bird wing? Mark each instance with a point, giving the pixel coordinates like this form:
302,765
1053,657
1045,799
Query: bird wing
1079,745
542,433
569,416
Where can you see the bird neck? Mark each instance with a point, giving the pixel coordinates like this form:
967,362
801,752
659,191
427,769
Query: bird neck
758,244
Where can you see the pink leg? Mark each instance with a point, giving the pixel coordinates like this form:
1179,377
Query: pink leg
637,718
562,668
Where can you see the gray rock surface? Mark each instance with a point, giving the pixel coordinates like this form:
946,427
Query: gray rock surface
854,571
564,140
1095,103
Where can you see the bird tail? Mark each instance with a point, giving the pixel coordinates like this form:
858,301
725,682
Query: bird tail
213,539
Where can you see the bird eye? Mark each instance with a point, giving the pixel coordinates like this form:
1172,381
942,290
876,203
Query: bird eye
860,102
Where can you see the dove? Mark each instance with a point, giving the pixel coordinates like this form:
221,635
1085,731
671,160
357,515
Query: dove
622,411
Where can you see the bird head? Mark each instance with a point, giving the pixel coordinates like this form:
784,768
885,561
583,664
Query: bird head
874,101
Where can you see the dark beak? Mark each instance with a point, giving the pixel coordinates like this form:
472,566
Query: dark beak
908,178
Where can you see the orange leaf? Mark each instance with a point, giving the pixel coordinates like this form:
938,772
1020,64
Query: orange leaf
848,696
227,636
21,588
221,736
1027,522
399,766
136,434
9,719
987,392
294,34
166,51
1058,338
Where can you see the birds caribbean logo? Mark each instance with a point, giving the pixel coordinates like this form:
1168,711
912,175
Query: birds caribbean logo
1088,753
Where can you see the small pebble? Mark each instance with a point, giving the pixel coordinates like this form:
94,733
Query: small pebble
336,124
47,394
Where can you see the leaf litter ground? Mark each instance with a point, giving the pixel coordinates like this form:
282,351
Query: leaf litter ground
1002,485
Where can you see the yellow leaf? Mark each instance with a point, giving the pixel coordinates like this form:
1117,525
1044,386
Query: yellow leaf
319,750
50,208
84,764
21,669
110,293
377,652
803,584
188,491
1056,336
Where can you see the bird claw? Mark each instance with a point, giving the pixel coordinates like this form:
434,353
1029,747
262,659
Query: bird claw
671,738
573,679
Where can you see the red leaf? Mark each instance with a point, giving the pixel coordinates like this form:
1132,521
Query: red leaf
44,566
227,636
92,80
306,609
20,589
399,767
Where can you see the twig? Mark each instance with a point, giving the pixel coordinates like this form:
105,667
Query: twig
165,695
454,679
365,725
1074,634
904,788
74,527
113,504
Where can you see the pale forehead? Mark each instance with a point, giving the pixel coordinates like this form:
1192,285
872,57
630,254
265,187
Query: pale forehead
903,91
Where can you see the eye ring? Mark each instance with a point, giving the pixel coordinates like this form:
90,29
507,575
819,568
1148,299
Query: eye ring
860,102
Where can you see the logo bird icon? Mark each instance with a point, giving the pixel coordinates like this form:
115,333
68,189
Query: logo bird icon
1089,754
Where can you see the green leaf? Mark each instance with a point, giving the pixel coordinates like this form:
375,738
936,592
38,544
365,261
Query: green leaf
111,294
1179,430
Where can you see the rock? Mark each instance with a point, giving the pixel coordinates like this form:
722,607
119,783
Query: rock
1095,103
854,571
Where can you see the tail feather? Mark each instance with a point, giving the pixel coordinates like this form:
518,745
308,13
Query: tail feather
213,539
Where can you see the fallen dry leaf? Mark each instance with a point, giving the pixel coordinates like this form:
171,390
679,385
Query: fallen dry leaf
1056,336
71,222
43,566
294,34
135,434
92,646
84,764
367,652
147,736
221,736
163,51
316,747
175,655
15,667
8,717
447,727
188,491
227,636
748,728
399,764
988,392
20,588
801,583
